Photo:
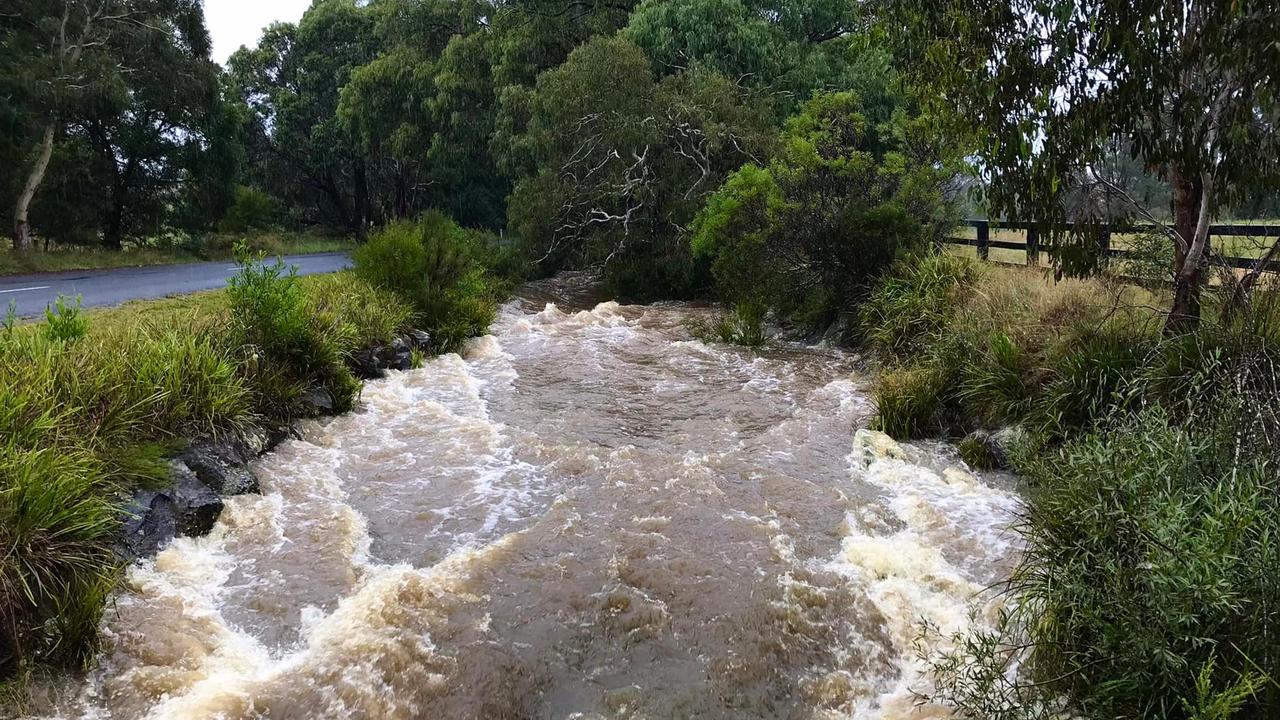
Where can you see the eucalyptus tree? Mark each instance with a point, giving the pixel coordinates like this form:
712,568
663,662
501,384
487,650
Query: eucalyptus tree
301,150
1190,89
624,159
69,63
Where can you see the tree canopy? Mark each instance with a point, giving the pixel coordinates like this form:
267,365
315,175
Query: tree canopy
1046,90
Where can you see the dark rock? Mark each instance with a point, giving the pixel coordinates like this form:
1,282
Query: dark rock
368,364
316,402
154,517
278,434
419,339
398,355
991,449
222,465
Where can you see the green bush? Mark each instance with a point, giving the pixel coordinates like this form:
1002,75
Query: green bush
913,306
65,322
432,264
1150,586
273,319
833,210
252,209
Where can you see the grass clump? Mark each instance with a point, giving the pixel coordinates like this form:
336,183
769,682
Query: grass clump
1150,586
912,306
742,325
92,403
437,267
299,346
911,400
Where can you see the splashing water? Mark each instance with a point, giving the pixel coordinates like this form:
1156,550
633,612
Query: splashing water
588,514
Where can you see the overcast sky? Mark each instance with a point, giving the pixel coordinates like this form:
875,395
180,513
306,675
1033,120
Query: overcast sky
233,23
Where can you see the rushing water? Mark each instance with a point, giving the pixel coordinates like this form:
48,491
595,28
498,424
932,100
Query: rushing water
589,514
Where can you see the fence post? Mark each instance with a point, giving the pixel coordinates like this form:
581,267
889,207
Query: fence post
984,237
1033,245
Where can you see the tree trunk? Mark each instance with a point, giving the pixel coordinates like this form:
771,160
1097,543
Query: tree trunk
361,182
21,225
1188,262
402,196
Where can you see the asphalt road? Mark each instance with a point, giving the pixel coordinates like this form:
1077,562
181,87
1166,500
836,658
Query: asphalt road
31,294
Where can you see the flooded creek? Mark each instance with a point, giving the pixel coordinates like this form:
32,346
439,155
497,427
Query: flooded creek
587,514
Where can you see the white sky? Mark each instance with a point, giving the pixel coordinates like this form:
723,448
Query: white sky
233,23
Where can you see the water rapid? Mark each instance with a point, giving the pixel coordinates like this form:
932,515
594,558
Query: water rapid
587,514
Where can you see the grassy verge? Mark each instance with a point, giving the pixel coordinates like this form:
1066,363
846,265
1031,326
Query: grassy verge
92,403
1151,582
168,252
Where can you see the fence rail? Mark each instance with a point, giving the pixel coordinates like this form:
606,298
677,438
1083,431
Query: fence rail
1031,245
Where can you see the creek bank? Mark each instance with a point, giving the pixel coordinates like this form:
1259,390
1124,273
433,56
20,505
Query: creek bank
211,468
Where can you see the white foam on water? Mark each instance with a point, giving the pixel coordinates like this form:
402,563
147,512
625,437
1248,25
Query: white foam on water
953,529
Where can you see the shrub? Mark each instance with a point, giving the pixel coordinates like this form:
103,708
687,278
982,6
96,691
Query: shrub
272,318
914,304
65,322
251,209
431,264
842,200
1150,586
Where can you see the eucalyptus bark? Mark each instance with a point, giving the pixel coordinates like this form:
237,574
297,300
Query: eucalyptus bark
1190,221
21,223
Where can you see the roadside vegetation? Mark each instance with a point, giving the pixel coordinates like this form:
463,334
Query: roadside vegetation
91,404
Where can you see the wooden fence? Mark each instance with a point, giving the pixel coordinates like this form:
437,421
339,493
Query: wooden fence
1031,244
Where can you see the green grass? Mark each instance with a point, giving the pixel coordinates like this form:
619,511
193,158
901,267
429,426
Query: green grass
1150,585
91,402
440,269
218,246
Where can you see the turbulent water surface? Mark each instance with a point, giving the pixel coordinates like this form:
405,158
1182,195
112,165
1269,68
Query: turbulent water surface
588,514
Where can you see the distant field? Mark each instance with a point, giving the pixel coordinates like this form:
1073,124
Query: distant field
211,247
1242,246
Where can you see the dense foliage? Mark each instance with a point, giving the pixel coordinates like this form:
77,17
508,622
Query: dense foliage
841,200
440,269
591,132
114,122
1049,92
1148,586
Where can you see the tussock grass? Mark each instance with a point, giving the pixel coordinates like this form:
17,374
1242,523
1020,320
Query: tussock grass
91,402
1150,586
743,325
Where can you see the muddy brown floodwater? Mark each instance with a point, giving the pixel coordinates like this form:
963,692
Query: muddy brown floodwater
587,514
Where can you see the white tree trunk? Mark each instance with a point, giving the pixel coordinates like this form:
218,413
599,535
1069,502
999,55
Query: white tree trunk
21,226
